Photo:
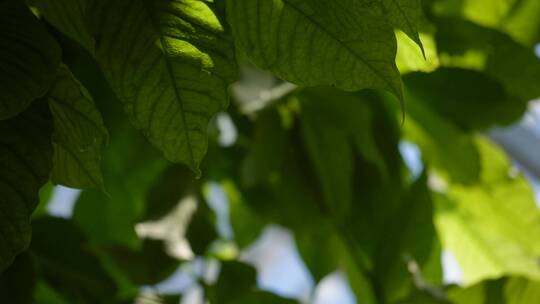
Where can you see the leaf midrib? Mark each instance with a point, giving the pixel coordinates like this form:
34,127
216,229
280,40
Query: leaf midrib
323,29
170,71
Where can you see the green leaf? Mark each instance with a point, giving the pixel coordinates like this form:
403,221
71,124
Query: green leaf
147,266
68,17
170,63
263,297
201,231
235,280
130,169
409,237
29,57
336,125
79,134
467,45
444,146
25,163
492,227
168,189
18,281
324,251
44,294
69,266
407,15
313,42
408,59
508,290
443,91
518,18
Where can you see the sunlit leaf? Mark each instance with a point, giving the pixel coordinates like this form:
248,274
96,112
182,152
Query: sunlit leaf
170,63
491,227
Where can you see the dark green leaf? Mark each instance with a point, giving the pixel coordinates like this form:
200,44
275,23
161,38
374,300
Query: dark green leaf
263,297
146,266
313,42
18,281
201,231
79,134
69,17
235,280
444,146
29,57
407,15
130,168
509,290
408,238
173,184
69,266
334,126
467,45
25,164
444,92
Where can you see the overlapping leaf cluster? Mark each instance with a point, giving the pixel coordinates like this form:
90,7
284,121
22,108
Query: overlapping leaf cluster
106,95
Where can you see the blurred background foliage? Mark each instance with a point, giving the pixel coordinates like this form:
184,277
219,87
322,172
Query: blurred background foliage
328,171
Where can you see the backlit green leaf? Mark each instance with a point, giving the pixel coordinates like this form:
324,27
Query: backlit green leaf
170,63
79,134
492,227
313,42
406,15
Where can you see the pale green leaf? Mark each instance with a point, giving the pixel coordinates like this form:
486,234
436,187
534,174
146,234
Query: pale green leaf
170,63
29,57
25,162
79,134
408,59
492,227
313,42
